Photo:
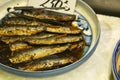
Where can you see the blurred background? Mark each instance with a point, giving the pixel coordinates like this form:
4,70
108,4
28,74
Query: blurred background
107,7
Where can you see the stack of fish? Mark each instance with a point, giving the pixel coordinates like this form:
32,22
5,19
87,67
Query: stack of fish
33,34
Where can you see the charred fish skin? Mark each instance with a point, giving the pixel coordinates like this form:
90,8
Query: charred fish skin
65,30
37,53
12,39
42,21
47,14
19,46
20,30
22,21
47,63
55,40
55,29
77,45
27,22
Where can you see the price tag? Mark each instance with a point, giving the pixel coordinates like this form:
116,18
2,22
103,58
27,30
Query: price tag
64,6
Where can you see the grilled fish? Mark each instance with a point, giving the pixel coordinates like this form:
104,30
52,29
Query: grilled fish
12,39
59,39
22,21
19,46
27,22
46,14
68,28
42,21
20,30
48,63
61,29
37,53
77,45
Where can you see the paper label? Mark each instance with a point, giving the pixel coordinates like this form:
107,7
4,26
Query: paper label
64,6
